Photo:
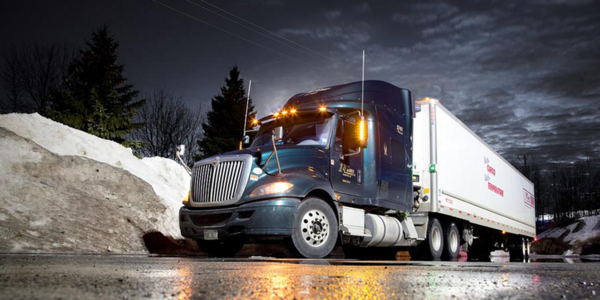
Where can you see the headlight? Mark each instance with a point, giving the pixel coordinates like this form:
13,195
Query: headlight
271,188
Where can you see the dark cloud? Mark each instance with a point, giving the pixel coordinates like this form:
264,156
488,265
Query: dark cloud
522,75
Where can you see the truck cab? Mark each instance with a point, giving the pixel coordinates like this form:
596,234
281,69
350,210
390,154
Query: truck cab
331,167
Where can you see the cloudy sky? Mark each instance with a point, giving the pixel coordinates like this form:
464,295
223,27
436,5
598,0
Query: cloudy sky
524,75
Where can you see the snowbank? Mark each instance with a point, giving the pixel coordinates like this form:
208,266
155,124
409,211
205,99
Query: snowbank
577,238
590,230
168,179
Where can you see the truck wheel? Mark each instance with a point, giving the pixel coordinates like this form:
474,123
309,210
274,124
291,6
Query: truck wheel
452,238
220,248
433,246
315,229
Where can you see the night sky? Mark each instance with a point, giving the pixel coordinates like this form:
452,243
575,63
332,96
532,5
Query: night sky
524,75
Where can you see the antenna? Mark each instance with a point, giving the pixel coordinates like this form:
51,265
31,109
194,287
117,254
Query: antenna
246,114
362,96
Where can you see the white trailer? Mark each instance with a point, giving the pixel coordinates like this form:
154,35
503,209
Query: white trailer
462,180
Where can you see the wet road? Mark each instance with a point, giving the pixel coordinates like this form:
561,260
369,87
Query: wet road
126,277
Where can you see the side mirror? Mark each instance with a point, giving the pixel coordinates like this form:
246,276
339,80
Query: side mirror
246,140
363,132
355,134
278,132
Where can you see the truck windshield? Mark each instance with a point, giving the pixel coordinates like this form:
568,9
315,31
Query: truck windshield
297,131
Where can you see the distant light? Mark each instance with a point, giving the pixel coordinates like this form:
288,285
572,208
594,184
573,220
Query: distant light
322,108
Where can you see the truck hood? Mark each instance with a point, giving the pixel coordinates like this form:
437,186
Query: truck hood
290,157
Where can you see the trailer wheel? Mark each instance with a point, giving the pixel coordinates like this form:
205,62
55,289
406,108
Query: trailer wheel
220,248
452,239
433,246
315,229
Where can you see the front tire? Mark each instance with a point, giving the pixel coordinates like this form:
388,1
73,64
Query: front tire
220,248
315,229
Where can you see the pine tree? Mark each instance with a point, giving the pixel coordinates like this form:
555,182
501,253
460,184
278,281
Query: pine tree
96,97
223,128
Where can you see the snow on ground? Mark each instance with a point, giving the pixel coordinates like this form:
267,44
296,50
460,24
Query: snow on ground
590,230
169,180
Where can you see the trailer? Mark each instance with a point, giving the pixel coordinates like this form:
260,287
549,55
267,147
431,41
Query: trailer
364,166
470,185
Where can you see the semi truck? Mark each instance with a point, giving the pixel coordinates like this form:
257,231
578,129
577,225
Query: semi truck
366,167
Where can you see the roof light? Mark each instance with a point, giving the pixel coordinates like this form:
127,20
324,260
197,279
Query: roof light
284,112
293,110
322,108
276,114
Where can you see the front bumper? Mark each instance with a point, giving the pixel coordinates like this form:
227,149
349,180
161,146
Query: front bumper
262,219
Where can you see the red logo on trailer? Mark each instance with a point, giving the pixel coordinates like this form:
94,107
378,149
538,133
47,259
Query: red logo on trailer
495,189
491,170
529,198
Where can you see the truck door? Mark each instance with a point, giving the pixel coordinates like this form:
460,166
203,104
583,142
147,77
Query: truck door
346,173
395,176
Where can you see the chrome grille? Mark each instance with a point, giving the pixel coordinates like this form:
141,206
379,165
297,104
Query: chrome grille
216,183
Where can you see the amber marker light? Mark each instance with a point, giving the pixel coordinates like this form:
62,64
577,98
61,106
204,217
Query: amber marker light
255,122
322,108
362,130
284,112
276,115
293,111
186,199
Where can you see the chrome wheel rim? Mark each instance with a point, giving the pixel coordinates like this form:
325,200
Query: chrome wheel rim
314,227
436,238
453,241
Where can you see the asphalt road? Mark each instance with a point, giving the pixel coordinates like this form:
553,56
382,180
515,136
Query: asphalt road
127,277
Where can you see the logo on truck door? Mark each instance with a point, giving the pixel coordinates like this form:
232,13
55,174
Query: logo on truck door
400,129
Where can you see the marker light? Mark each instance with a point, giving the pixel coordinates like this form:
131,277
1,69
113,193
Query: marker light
362,130
503,231
322,108
276,114
284,112
186,199
271,188
293,110
255,122
432,169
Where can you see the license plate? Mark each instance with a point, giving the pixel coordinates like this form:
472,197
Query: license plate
211,235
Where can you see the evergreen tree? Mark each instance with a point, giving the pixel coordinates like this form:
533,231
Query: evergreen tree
223,128
95,97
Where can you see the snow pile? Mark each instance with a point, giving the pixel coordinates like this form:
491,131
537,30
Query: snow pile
168,179
571,235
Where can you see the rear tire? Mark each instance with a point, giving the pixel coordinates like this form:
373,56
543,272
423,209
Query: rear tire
220,248
315,229
452,241
433,246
